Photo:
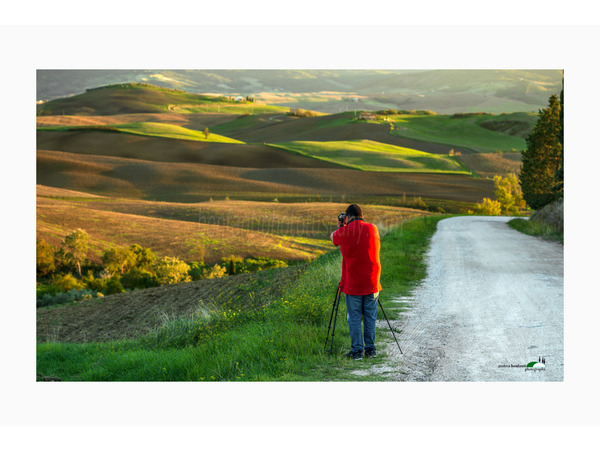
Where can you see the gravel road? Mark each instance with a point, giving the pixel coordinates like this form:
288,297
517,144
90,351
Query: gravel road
492,300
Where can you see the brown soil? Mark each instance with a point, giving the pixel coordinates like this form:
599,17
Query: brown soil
165,237
192,121
158,149
488,165
135,313
124,177
244,228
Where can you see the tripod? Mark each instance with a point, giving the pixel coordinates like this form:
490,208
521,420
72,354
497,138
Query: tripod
335,308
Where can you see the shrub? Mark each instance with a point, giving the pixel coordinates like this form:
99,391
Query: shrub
113,286
62,261
73,295
66,282
45,262
508,194
171,270
139,278
144,257
419,203
95,284
489,207
262,263
119,260
196,268
42,289
215,271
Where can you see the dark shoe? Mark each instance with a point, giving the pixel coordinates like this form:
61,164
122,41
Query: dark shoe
370,353
354,355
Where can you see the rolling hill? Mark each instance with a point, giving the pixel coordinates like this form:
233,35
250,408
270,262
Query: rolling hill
127,98
479,133
374,156
151,129
190,121
166,237
162,149
443,91
182,182
292,231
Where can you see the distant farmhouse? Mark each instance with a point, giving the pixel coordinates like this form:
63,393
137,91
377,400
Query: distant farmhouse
367,116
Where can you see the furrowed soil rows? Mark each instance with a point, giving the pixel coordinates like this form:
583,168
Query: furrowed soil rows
124,177
135,313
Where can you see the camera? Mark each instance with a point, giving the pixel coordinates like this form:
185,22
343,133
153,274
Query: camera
341,218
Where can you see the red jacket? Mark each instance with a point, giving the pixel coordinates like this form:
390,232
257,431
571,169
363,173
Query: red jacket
361,268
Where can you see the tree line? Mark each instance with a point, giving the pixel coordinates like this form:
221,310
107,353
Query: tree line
66,269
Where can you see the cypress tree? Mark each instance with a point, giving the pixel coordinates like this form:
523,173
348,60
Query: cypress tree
543,157
559,176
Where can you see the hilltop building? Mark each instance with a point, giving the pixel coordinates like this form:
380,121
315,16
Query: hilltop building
367,116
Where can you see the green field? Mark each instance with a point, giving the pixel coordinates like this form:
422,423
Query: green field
374,156
477,133
152,129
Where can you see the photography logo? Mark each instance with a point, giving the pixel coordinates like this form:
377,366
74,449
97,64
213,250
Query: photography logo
538,365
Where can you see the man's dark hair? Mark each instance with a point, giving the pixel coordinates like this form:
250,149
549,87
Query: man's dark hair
354,211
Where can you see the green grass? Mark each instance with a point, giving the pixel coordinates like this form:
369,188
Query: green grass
238,124
172,132
538,229
281,341
468,132
375,156
152,129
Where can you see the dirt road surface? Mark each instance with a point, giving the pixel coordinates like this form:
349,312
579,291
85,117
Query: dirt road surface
492,303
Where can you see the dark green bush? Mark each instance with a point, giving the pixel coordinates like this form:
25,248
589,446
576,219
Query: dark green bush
113,286
73,295
139,278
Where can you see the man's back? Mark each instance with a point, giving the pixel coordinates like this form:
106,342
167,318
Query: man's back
359,243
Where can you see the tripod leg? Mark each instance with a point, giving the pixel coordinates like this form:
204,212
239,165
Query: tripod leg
334,322
389,325
331,316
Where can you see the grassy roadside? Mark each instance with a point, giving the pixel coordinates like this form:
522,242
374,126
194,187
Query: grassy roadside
534,228
282,340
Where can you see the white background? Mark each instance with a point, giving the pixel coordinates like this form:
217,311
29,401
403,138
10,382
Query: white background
298,35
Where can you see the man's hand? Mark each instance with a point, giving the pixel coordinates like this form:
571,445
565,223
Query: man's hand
340,223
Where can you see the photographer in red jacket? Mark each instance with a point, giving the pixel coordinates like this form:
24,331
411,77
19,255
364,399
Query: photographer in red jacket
361,270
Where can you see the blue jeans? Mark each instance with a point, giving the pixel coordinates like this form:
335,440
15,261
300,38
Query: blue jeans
359,306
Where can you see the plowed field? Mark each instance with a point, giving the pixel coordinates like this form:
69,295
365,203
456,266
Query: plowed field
125,177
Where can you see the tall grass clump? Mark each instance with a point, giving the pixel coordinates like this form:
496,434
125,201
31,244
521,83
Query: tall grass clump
310,299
